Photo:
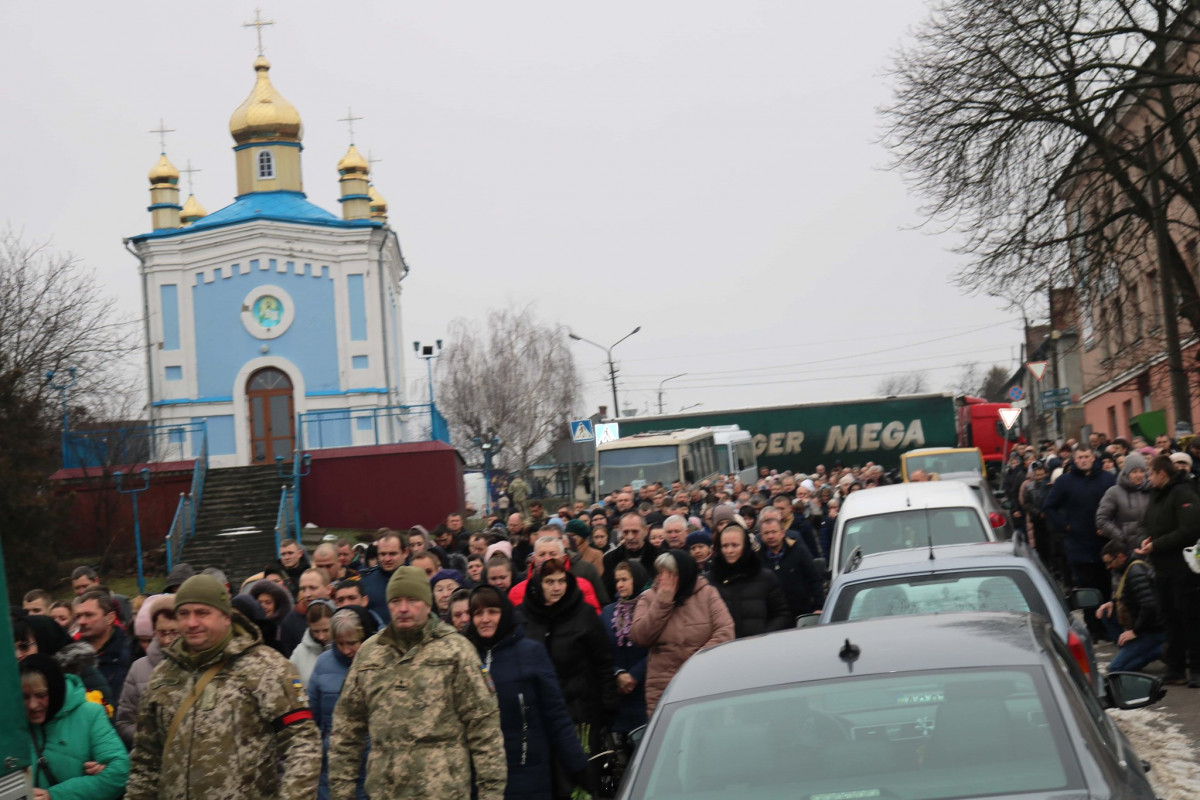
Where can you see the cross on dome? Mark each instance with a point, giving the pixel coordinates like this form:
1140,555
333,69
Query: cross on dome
258,24
162,130
350,119
188,171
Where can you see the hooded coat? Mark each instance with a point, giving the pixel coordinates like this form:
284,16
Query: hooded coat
250,736
135,684
284,605
752,594
674,628
1172,521
628,656
305,656
534,718
1071,507
75,731
1123,505
578,648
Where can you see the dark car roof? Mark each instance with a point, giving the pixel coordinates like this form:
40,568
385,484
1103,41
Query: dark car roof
889,644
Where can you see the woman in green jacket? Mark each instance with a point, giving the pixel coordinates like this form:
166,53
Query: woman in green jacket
77,754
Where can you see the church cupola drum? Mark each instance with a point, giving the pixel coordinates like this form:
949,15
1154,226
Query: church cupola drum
272,319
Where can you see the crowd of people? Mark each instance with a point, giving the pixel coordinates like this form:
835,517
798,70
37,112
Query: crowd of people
513,658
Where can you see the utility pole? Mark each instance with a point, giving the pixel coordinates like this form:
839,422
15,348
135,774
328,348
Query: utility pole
660,389
612,369
1179,388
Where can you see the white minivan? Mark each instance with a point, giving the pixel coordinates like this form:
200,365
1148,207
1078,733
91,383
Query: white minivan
906,516
735,452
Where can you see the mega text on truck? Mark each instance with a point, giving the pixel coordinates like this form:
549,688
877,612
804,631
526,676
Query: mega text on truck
799,437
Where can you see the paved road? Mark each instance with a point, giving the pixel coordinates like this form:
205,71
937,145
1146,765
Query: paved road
1167,735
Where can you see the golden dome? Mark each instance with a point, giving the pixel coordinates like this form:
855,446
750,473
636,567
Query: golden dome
378,204
352,162
164,171
192,210
265,116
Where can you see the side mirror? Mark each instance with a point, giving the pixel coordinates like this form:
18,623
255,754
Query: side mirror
808,620
1129,690
633,740
1084,599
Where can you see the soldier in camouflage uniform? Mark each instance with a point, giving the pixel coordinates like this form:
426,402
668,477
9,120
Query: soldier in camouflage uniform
417,689
247,735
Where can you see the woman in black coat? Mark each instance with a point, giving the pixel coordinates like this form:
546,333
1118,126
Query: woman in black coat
753,594
533,716
556,615
629,660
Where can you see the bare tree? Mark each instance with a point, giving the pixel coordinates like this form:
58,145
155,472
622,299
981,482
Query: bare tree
903,383
513,377
1006,111
968,381
994,384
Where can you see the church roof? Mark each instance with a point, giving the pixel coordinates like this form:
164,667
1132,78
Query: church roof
274,206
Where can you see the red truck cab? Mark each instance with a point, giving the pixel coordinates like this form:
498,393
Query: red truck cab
979,425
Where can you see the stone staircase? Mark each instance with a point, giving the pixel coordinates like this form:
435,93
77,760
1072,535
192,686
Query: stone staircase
235,526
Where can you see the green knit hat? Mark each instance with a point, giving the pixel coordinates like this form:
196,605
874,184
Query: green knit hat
410,582
207,590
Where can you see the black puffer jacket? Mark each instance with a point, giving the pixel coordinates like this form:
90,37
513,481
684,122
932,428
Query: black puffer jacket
753,595
1136,600
1172,520
578,646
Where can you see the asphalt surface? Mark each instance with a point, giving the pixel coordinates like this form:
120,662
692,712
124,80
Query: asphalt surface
1167,734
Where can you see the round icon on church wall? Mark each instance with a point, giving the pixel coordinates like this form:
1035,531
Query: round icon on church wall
267,311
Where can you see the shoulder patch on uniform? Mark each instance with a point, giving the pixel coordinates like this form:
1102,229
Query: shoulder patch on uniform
301,692
292,718
487,678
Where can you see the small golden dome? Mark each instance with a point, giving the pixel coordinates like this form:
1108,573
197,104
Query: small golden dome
353,162
378,205
164,171
192,210
265,116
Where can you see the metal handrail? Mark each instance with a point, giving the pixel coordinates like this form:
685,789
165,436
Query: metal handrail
176,534
370,425
199,474
283,518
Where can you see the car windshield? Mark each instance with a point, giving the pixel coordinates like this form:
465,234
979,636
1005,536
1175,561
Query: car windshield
944,462
902,530
914,736
638,466
975,590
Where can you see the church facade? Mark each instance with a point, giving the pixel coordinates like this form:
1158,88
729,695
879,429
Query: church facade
271,307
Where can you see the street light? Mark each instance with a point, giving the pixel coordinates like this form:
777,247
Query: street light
490,444
429,353
688,408
612,370
660,385
63,388
137,522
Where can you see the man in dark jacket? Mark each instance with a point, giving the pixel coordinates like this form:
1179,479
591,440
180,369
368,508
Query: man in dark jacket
96,616
1070,508
1135,606
1172,522
803,584
634,547
393,552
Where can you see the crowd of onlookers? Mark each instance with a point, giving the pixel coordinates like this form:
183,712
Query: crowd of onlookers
536,641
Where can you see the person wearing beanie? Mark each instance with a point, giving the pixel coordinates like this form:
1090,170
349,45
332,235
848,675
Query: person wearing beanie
444,583
224,716
179,573
699,545
1124,504
578,538
454,715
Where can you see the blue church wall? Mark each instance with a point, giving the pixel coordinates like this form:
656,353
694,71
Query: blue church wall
169,296
329,433
223,345
356,295
221,438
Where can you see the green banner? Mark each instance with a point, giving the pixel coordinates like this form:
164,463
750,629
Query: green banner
853,432
14,736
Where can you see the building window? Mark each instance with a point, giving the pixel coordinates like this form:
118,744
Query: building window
266,165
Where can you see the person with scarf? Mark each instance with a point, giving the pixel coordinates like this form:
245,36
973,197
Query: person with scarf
348,629
76,753
681,614
537,727
752,594
629,660
557,615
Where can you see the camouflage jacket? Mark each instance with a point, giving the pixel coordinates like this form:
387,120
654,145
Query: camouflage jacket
430,713
249,736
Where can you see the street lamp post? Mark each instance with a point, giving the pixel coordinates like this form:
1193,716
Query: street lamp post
612,370
660,385
63,389
428,352
490,444
137,521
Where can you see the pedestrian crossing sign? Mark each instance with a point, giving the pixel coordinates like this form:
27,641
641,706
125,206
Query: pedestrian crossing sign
581,431
607,432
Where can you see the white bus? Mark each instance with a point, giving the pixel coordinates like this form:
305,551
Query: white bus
688,455
735,453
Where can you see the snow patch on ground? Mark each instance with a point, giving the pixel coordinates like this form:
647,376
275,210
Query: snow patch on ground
1161,741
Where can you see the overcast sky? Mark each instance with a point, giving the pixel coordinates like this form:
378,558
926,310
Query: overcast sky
706,170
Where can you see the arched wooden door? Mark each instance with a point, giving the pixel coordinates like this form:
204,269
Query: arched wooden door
272,415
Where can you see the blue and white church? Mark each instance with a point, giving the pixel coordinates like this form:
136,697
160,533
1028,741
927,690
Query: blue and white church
272,307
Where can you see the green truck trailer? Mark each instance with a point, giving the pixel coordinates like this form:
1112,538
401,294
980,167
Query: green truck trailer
851,432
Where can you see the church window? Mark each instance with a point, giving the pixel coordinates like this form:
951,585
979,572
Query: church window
266,165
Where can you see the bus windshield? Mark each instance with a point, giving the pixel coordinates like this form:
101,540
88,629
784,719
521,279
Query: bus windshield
961,461
638,466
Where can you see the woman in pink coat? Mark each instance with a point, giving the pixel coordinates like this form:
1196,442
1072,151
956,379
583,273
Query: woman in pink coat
678,616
